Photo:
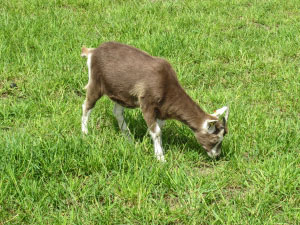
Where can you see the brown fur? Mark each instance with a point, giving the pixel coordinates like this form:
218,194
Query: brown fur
133,78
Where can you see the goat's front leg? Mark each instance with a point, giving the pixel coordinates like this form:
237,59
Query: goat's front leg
155,127
157,140
119,114
155,132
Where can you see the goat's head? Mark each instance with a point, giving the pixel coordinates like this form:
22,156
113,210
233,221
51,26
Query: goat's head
212,132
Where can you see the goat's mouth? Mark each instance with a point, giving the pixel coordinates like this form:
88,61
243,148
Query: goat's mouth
213,154
215,151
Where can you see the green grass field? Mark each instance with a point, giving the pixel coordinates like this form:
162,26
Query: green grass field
241,53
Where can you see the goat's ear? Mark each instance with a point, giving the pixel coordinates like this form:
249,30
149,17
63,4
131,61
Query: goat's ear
221,111
209,125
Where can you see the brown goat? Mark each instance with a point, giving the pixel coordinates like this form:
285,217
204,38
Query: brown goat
133,78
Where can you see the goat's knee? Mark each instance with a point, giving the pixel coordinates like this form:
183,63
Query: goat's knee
155,132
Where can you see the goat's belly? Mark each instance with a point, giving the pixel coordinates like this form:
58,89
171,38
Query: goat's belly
125,102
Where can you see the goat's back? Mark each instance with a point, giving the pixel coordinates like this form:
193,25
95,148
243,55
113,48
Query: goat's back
127,74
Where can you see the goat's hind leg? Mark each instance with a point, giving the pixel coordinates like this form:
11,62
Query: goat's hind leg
119,114
92,96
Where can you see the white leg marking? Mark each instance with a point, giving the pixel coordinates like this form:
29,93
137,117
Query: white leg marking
156,137
118,112
84,119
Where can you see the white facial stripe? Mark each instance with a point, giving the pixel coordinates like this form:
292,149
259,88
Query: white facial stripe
221,134
213,152
214,149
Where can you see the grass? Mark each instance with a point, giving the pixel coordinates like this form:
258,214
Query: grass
240,53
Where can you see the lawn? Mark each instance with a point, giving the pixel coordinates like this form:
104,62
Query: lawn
240,53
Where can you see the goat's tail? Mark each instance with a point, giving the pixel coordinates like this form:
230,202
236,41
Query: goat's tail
85,51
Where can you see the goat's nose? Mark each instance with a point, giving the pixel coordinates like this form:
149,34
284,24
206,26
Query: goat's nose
213,154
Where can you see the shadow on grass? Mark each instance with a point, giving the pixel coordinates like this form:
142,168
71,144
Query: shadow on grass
172,134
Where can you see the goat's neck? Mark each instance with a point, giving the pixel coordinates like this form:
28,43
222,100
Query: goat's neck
188,111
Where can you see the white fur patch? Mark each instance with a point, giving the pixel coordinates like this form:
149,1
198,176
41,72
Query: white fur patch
156,137
89,62
214,151
84,119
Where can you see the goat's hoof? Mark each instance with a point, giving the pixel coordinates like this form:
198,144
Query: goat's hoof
161,158
85,131
129,138
127,135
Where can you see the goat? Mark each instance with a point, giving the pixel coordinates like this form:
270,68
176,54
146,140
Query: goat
133,78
